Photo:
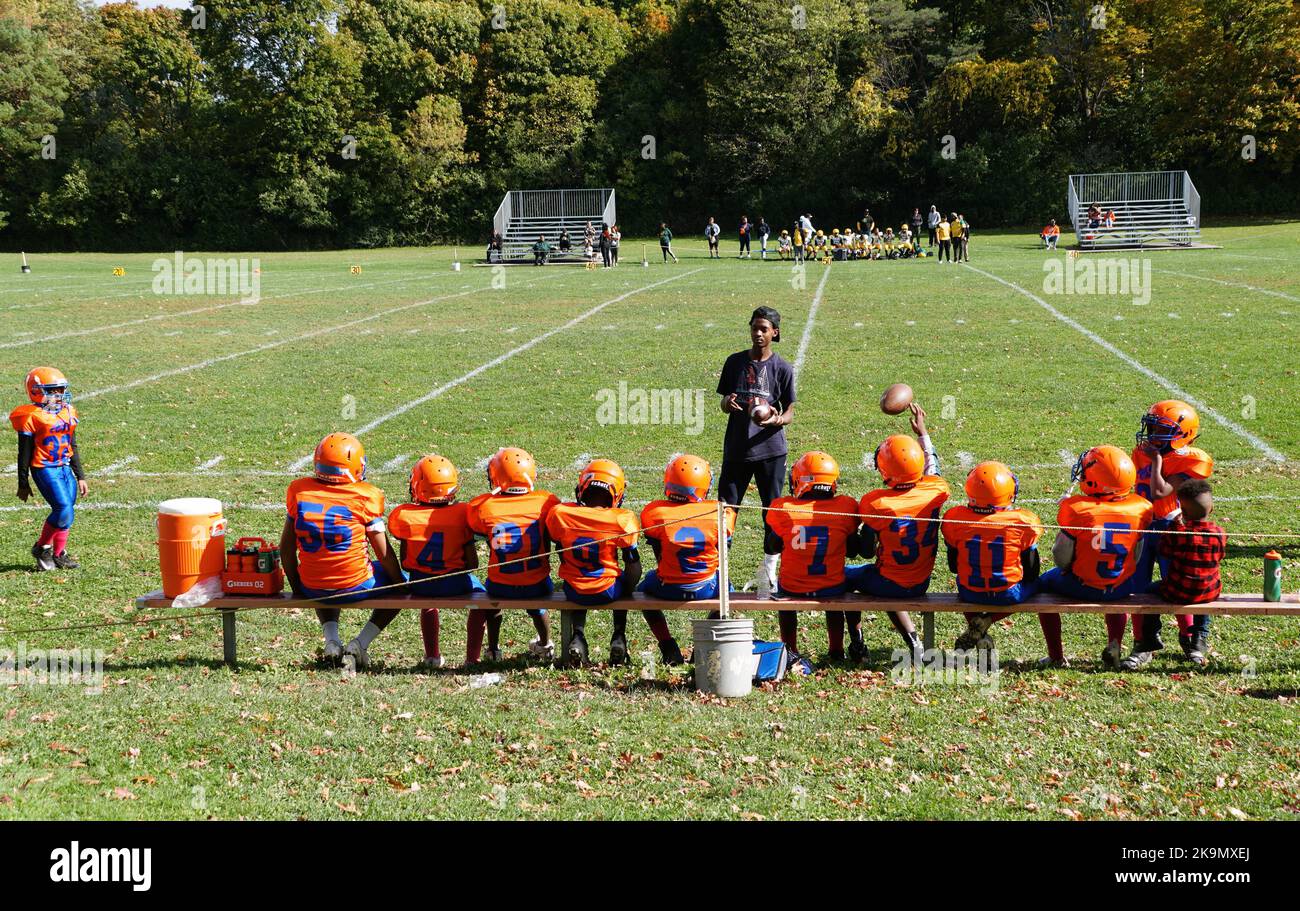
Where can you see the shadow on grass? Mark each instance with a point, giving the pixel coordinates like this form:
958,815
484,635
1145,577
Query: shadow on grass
1273,693
156,664
17,568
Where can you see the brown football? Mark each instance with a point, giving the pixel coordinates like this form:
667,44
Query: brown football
896,399
760,411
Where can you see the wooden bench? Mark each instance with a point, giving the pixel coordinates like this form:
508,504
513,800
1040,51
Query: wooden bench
927,605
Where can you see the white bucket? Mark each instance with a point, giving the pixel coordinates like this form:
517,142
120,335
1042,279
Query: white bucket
725,662
455,267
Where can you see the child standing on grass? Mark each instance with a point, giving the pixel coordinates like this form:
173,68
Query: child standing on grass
47,454
1193,556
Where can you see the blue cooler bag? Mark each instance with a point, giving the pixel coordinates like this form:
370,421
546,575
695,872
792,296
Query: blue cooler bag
772,661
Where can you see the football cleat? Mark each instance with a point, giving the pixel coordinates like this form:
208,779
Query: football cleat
65,560
1197,649
577,650
333,650
976,631
512,470
541,652
857,652
492,655
815,471
1051,664
339,459
434,481
1170,424
618,649
1110,657
687,479
1104,471
671,652
900,460
44,557
433,662
48,388
602,474
991,486
1136,659
358,652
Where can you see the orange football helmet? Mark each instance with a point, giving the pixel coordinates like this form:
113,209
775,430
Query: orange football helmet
340,459
813,470
687,479
900,460
512,470
990,486
47,387
1170,424
434,480
1105,471
602,474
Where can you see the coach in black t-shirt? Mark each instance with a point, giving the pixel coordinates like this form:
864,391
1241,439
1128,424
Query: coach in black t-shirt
757,451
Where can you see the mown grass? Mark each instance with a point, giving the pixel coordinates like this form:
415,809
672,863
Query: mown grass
175,734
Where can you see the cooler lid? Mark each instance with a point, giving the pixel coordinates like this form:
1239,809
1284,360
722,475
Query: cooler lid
190,506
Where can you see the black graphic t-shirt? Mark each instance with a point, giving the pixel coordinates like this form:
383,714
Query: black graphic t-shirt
772,381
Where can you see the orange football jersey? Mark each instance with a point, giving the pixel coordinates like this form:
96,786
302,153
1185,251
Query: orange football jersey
905,548
592,566
515,528
989,545
1193,462
687,534
1107,536
330,521
52,431
813,540
435,536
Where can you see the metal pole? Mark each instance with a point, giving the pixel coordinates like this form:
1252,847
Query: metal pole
724,599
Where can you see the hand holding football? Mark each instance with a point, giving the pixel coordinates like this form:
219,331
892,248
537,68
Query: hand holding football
896,399
760,411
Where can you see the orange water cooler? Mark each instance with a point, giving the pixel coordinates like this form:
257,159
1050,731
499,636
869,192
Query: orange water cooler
191,542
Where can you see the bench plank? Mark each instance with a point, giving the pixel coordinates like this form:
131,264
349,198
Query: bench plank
1228,604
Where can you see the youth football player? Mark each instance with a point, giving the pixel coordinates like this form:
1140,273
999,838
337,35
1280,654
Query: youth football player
49,458
592,533
992,548
511,516
331,517
900,523
817,529
1165,459
435,542
1099,546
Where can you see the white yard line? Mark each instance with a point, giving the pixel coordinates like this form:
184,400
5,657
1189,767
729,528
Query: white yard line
1228,284
520,349
966,460
1171,387
808,326
211,463
324,330
115,466
134,322
394,465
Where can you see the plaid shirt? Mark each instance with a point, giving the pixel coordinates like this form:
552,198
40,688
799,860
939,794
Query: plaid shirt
1193,562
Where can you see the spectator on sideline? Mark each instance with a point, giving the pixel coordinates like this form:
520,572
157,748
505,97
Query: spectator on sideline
806,226
666,242
566,245
917,221
868,222
932,220
943,231
615,235
711,232
763,231
956,232
1050,235
589,243
604,245
494,249
541,251
745,228
965,238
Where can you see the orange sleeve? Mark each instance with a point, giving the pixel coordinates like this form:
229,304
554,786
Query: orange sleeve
630,528
21,419
473,517
397,524
649,520
779,521
730,521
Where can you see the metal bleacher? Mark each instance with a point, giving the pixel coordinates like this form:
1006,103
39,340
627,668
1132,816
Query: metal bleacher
1152,209
525,214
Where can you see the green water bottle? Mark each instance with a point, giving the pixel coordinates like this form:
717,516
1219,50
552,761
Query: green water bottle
1272,576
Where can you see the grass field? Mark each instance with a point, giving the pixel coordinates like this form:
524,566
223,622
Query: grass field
180,395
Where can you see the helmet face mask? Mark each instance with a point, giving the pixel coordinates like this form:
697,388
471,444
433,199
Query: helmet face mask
1169,425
